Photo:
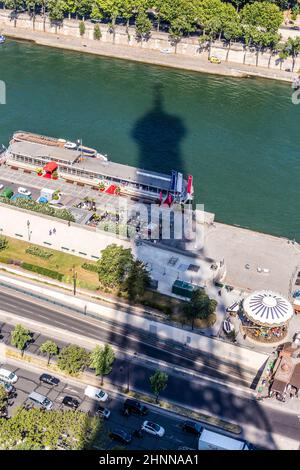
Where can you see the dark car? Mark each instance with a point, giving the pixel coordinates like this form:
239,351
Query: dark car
103,412
121,436
71,402
134,406
192,427
49,379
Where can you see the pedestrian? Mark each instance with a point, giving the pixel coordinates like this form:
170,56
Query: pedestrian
54,231
69,223
50,232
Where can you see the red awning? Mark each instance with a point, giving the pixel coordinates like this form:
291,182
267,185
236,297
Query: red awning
50,167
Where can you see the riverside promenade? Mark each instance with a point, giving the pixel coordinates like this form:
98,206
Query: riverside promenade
143,55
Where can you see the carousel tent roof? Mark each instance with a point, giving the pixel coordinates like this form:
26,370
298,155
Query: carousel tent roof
267,308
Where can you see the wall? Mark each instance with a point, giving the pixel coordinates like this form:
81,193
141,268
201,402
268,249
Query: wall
188,46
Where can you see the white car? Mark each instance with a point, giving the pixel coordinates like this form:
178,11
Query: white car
95,393
166,51
24,191
153,428
8,376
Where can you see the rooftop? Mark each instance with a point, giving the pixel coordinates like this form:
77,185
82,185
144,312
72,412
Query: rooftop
31,149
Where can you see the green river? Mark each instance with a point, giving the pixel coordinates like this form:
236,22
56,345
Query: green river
240,138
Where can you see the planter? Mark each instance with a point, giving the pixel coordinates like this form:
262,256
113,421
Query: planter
39,174
55,177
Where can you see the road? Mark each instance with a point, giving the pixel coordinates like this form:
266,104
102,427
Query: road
28,381
263,425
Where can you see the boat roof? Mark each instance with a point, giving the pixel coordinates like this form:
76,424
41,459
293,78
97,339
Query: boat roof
95,165
32,149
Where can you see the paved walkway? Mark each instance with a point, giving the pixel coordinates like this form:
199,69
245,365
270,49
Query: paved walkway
139,54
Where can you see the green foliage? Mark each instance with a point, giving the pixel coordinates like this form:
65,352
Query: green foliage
101,359
113,265
137,280
36,251
34,206
3,243
73,359
44,271
20,337
200,306
50,348
3,399
90,267
158,383
81,28
97,36
48,430
143,25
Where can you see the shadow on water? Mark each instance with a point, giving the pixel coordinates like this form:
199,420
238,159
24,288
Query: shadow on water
158,136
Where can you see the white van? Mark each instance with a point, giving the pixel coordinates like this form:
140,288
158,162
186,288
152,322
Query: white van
8,376
41,400
95,393
210,440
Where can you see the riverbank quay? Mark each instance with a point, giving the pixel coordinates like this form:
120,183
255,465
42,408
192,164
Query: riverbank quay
194,63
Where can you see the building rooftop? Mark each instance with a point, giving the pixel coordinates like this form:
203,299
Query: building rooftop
34,150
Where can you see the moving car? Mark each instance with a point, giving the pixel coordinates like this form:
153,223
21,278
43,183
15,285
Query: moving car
153,428
71,402
8,376
40,400
49,379
24,191
214,60
192,427
134,406
103,412
210,440
121,436
95,393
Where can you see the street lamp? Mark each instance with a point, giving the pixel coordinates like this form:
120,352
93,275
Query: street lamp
74,275
28,228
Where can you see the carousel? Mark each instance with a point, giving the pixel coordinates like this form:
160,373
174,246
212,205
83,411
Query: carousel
265,316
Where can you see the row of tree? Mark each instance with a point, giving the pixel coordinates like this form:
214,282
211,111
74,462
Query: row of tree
73,359
255,23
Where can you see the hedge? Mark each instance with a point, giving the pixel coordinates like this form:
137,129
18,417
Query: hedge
40,270
90,267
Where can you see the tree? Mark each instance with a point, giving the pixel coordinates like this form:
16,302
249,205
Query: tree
81,28
143,26
97,34
292,49
113,265
73,359
31,6
3,399
50,348
113,9
158,383
20,337
264,16
56,9
101,359
200,306
137,280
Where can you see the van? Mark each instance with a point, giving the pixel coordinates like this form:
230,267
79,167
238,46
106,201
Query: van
95,393
41,400
8,376
210,440
134,406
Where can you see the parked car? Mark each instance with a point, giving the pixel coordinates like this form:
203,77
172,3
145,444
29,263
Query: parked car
192,427
214,60
49,379
134,406
24,191
71,402
8,376
166,51
121,436
153,428
40,400
103,412
95,393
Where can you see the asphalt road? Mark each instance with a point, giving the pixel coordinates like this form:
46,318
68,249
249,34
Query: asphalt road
173,438
190,392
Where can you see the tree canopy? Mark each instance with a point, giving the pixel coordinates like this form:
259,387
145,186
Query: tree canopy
200,306
101,359
73,359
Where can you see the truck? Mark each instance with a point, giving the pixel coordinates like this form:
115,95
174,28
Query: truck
210,440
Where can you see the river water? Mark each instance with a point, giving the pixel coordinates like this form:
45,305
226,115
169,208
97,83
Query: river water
240,138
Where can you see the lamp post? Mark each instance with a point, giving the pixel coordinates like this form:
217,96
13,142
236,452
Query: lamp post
28,229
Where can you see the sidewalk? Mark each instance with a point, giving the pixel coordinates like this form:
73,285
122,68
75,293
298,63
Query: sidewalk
148,56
